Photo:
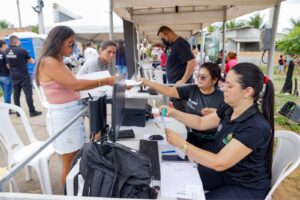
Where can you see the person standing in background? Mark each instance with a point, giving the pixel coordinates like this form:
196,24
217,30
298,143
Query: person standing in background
5,82
231,61
180,61
288,83
156,55
121,58
17,58
163,63
90,51
280,64
287,62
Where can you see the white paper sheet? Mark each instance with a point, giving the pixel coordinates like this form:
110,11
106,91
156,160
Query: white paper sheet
93,76
178,178
132,82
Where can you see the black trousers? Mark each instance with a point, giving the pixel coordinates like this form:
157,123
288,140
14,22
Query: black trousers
25,84
218,187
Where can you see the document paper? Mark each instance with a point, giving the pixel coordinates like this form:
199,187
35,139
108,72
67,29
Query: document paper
177,178
93,76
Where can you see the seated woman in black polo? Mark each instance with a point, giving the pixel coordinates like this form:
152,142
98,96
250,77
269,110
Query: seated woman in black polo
240,168
202,98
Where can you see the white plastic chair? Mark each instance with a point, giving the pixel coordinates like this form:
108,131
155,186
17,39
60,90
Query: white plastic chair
17,151
42,99
286,157
12,184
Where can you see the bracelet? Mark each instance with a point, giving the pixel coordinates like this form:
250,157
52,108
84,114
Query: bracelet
99,82
184,147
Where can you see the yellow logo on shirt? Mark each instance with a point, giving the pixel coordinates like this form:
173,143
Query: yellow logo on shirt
228,138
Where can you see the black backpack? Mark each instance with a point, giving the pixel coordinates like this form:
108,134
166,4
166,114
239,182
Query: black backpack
114,170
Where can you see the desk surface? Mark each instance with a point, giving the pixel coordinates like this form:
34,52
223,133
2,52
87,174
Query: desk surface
152,127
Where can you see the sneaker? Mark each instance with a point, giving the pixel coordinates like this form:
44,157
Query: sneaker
10,112
18,115
35,113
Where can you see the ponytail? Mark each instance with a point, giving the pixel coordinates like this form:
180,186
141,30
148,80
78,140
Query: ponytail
267,108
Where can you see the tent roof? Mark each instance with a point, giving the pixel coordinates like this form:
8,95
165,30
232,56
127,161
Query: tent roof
184,17
86,29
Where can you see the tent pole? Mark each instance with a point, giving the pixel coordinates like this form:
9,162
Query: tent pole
111,24
270,69
223,37
202,44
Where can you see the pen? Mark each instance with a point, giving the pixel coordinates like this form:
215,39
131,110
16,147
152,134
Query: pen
157,125
162,119
90,95
170,151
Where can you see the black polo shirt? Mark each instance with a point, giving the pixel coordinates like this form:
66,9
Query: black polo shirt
196,101
178,54
17,59
3,68
253,130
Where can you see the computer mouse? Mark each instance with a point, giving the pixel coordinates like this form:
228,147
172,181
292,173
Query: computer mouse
156,137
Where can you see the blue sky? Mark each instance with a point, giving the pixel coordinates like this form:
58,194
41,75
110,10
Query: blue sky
97,10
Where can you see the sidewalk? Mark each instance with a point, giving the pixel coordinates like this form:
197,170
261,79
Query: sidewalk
40,132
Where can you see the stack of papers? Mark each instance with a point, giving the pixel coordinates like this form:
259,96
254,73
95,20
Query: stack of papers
96,91
181,180
107,89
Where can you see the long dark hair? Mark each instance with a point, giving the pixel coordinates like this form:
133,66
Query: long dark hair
52,45
251,75
214,70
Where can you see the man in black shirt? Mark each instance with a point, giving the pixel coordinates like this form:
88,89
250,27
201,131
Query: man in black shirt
5,82
180,60
17,58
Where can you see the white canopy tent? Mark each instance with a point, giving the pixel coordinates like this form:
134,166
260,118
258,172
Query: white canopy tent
189,16
184,17
86,29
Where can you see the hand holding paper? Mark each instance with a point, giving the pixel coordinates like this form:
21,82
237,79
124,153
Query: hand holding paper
133,83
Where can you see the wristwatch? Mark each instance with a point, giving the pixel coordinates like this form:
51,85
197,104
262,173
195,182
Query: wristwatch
184,147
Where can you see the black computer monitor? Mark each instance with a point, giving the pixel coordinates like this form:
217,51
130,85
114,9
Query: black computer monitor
118,107
97,115
142,74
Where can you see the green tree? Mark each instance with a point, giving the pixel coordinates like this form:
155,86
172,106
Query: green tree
35,28
211,28
290,44
4,24
234,24
257,21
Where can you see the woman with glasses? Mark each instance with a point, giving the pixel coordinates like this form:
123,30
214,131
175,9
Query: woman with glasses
202,98
241,165
61,90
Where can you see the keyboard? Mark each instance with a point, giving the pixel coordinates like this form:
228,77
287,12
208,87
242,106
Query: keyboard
150,149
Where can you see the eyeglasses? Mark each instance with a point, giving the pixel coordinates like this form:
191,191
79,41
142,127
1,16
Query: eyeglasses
202,77
71,45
